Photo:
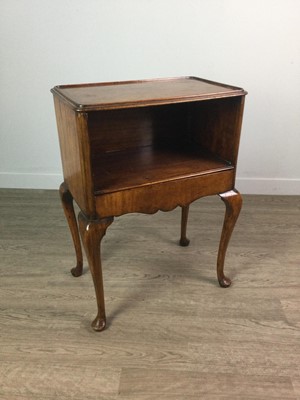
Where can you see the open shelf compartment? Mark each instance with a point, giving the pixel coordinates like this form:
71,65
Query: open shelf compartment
120,170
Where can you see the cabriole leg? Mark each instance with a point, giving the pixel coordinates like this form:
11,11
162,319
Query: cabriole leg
92,232
67,202
184,241
233,203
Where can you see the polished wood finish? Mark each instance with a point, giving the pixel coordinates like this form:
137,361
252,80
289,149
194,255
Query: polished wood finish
92,232
141,93
145,146
233,203
172,333
184,241
68,207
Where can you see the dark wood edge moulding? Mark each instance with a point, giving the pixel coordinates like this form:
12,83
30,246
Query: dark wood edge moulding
232,92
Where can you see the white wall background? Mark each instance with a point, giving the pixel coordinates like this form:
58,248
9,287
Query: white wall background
253,43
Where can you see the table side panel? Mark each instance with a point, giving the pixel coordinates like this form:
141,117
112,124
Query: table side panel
75,155
216,126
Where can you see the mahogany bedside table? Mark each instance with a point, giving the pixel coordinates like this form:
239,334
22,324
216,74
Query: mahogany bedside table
144,146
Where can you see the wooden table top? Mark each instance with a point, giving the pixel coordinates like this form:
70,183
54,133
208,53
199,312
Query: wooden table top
139,93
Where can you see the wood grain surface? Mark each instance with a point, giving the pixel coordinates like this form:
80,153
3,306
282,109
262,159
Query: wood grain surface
172,332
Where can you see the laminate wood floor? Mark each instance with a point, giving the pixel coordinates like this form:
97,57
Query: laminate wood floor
172,333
